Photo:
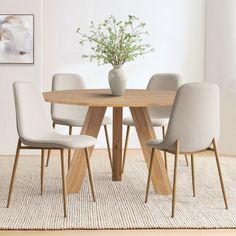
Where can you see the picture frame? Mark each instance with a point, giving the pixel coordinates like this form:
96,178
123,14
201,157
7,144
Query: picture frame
16,38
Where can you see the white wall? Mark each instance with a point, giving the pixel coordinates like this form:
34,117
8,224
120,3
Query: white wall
10,73
221,64
176,28
176,31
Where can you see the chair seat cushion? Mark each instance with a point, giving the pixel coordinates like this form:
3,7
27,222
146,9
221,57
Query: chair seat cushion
155,143
156,122
77,122
56,140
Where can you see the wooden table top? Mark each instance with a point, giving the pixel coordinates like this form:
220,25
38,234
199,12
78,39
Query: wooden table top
103,98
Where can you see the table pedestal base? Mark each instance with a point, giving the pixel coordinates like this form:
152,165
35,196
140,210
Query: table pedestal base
145,132
77,170
117,144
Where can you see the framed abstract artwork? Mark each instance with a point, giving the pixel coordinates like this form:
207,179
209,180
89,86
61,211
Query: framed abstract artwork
16,38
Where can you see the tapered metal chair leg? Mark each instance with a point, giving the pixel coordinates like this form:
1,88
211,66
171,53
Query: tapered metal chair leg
149,175
90,174
186,159
166,162
64,191
42,171
108,145
49,150
13,173
193,174
175,179
220,173
165,156
125,149
48,157
69,150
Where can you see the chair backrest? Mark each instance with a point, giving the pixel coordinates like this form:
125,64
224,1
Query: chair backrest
195,118
163,81
32,117
67,82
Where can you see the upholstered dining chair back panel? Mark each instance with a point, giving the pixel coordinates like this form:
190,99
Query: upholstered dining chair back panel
67,81
32,117
163,81
195,119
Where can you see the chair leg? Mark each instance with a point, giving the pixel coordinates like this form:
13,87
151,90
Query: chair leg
42,170
175,178
63,183
90,174
14,173
220,173
186,159
125,148
166,162
69,150
49,150
149,175
193,174
108,145
48,157
165,157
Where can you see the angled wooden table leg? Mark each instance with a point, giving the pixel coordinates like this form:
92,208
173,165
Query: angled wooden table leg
77,170
145,132
117,144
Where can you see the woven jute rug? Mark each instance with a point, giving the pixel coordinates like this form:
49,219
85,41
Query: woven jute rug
120,205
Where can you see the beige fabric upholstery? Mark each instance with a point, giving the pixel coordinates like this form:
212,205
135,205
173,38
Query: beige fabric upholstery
79,122
70,115
194,119
165,81
161,81
34,121
155,122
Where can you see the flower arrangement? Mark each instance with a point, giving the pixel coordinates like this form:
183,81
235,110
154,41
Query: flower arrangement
116,42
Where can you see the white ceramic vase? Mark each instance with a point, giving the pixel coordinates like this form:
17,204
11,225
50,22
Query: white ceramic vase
117,80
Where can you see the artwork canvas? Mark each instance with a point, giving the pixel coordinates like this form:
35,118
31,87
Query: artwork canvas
17,38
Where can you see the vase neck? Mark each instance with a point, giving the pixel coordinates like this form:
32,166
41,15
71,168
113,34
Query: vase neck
117,66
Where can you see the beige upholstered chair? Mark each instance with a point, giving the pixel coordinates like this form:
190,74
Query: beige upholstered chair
70,115
159,115
36,132
194,127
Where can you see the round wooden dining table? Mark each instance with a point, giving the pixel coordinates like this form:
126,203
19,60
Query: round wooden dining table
98,100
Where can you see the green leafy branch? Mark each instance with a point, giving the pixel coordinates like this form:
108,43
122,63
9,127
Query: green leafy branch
116,42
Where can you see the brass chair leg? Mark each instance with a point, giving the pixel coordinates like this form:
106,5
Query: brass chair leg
165,157
63,183
193,174
42,170
175,178
149,175
48,157
166,162
69,150
90,174
49,150
108,145
13,173
186,159
125,148
220,173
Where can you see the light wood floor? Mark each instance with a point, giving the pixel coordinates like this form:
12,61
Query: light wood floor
176,232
